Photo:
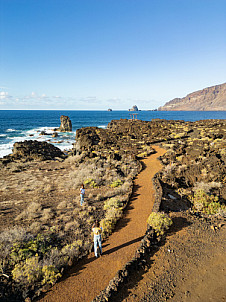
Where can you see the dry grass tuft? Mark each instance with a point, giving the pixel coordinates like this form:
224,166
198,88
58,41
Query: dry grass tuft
35,227
33,211
71,225
47,214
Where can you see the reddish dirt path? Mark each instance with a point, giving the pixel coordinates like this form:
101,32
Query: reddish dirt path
92,275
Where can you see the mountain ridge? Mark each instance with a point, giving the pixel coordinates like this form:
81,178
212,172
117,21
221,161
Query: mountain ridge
208,99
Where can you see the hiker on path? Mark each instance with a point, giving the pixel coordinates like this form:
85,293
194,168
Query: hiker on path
97,231
82,193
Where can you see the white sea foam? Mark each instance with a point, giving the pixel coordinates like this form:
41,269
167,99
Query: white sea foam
2,135
5,149
102,126
11,130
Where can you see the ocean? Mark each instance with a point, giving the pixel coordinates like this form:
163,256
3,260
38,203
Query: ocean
20,125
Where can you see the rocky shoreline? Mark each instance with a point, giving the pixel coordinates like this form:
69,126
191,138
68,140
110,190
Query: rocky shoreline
39,187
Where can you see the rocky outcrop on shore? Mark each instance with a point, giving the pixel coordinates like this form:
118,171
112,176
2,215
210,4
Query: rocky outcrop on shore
66,125
127,136
121,137
34,150
208,99
197,145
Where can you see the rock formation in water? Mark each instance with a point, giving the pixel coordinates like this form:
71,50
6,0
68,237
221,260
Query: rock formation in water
209,99
66,125
134,108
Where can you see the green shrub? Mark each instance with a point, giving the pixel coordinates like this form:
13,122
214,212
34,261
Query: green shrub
70,251
28,271
141,155
114,214
91,183
31,271
206,203
26,249
160,222
113,207
112,202
107,226
50,274
116,183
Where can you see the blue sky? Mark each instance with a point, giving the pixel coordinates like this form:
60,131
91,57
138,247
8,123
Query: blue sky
99,54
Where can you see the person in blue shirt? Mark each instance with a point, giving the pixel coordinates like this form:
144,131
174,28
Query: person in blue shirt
82,194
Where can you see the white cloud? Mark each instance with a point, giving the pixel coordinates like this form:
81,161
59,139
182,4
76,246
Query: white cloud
3,95
43,101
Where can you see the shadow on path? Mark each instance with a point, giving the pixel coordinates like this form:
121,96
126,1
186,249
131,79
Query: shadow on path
137,275
122,245
77,269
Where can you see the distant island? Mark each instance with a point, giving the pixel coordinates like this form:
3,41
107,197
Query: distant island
134,108
109,109
208,99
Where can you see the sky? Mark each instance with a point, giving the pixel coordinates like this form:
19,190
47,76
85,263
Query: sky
100,54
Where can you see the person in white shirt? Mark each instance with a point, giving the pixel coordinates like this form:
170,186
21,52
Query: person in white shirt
82,193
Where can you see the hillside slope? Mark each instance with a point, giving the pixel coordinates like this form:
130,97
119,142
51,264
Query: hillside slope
208,99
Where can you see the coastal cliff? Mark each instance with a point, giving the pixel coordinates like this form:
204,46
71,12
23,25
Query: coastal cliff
208,99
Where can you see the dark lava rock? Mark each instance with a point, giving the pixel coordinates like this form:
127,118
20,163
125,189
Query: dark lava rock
34,150
66,125
86,138
43,133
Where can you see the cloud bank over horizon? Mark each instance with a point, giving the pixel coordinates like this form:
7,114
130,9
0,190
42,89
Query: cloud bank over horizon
44,102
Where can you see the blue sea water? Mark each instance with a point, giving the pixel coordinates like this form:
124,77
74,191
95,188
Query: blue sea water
20,125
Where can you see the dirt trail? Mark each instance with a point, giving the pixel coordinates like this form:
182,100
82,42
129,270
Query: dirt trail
91,275
189,266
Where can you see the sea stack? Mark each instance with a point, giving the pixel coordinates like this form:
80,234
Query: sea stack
134,108
66,125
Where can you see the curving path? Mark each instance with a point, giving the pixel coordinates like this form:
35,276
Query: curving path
91,275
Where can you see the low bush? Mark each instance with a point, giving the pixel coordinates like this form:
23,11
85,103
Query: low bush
32,271
91,183
206,203
70,251
50,274
33,211
160,222
113,207
112,203
28,271
116,183
141,155
26,249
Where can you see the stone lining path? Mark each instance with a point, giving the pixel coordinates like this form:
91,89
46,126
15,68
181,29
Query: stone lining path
91,275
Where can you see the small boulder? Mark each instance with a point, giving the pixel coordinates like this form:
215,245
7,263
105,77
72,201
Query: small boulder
43,133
